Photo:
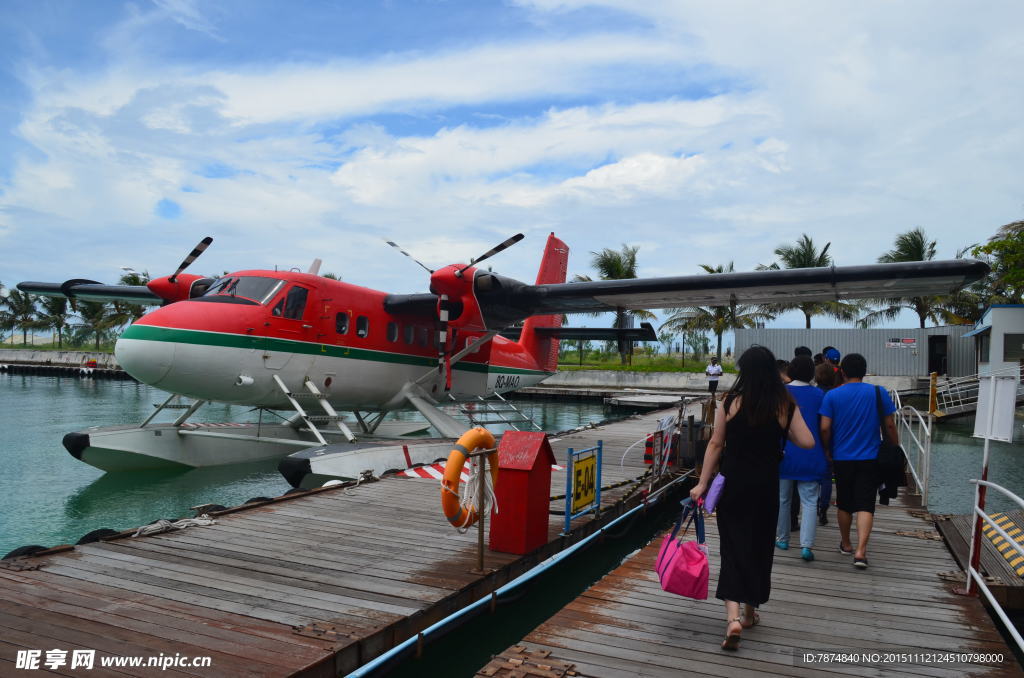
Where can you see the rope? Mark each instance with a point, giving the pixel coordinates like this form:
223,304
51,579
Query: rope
623,460
471,498
166,525
364,476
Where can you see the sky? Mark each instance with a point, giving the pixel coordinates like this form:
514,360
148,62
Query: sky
701,132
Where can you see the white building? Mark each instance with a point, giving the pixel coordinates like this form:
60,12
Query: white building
999,339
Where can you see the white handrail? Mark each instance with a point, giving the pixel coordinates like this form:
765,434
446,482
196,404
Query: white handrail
909,417
1002,489
913,471
976,576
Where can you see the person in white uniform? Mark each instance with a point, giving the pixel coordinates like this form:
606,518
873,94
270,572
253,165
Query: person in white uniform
714,373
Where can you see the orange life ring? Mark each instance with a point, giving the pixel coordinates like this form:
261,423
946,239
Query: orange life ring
473,439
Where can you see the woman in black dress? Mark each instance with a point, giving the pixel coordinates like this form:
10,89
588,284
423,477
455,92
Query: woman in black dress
752,423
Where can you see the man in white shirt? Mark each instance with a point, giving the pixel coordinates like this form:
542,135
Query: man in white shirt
713,372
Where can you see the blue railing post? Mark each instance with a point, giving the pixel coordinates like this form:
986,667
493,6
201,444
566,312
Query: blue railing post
572,458
568,490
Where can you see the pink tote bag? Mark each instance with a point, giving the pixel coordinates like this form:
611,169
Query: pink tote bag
682,567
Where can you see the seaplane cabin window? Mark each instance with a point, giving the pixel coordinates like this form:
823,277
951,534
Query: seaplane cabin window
392,332
362,327
410,334
422,336
250,287
341,323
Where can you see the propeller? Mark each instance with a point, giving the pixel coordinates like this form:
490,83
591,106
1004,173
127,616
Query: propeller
491,252
451,288
193,255
395,245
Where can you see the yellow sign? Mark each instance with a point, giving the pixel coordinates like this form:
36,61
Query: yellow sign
584,482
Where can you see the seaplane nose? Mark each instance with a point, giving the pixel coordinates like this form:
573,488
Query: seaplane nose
147,361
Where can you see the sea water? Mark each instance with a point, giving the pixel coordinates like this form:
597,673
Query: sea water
47,497
957,459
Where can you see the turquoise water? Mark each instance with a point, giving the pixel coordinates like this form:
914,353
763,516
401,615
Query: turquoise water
47,497
957,457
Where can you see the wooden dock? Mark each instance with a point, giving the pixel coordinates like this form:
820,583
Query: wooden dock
625,625
311,584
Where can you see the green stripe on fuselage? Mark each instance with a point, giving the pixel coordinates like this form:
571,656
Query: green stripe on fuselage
250,342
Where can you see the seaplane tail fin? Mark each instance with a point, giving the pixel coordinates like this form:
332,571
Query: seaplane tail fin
553,267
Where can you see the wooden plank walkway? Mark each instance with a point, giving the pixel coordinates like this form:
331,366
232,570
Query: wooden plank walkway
310,584
625,625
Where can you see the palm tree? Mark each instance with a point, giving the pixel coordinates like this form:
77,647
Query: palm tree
124,312
618,265
55,314
910,246
18,311
98,319
804,254
1004,252
716,319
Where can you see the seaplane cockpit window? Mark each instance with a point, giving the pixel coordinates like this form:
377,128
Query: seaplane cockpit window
252,287
295,303
341,323
362,327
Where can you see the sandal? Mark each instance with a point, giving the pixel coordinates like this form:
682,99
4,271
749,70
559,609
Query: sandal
732,640
756,620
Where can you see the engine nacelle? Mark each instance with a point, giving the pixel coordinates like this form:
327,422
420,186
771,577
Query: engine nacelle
457,284
488,301
185,286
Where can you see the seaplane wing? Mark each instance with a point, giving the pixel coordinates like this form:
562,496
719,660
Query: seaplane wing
763,287
90,290
174,287
506,299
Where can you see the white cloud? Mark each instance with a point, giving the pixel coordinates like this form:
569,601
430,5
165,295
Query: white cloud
187,14
490,73
848,122
635,177
564,153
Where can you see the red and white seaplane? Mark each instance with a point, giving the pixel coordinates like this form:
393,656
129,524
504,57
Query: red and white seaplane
305,343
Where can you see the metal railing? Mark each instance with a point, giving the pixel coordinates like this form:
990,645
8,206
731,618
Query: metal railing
491,413
974,577
915,431
960,394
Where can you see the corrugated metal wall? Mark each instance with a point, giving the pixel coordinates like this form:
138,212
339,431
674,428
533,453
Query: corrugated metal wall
876,345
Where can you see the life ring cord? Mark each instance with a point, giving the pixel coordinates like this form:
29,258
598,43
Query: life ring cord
473,439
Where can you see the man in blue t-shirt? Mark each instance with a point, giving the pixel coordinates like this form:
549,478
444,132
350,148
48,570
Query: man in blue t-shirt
850,435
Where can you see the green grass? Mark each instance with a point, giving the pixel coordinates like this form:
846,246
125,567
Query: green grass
641,363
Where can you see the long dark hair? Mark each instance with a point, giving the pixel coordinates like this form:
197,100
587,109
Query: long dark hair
764,395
